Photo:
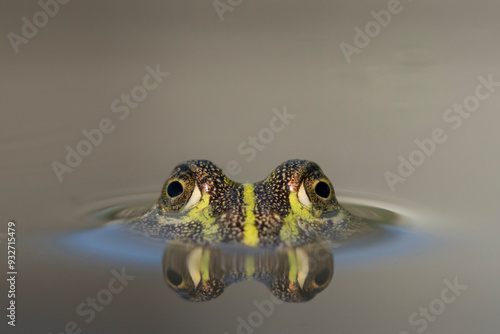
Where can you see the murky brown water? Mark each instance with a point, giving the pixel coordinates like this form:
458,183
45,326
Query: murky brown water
271,65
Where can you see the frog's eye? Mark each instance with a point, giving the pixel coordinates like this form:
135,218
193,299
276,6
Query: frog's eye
179,194
175,188
322,189
317,194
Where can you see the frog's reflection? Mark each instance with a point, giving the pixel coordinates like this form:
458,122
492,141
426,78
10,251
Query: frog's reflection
292,274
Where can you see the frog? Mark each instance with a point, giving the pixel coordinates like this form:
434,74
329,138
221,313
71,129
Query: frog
294,205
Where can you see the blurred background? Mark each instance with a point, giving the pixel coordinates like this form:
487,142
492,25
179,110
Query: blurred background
103,98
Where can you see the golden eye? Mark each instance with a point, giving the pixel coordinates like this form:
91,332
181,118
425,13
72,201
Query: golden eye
322,189
174,189
310,191
317,194
180,193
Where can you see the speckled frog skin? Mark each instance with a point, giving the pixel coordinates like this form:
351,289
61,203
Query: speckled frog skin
294,205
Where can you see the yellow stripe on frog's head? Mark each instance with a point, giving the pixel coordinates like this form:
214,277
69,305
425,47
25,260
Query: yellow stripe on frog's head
293,204
250,232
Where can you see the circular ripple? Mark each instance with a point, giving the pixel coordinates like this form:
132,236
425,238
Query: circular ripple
398,221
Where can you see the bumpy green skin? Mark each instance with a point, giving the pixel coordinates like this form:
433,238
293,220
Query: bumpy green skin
266,213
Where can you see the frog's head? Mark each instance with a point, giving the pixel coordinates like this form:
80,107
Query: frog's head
298,187
194,182
294,204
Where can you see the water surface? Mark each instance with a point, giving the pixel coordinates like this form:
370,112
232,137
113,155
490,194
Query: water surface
227,79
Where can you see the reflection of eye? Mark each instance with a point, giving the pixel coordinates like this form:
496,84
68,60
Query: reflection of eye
174,277
322,189
174,189
322,277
